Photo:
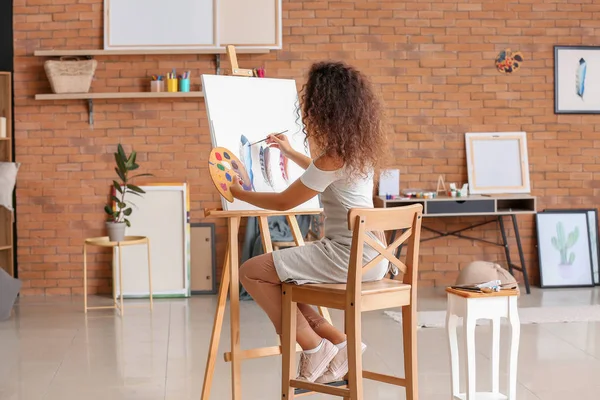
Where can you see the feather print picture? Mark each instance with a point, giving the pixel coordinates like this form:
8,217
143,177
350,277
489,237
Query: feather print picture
580,79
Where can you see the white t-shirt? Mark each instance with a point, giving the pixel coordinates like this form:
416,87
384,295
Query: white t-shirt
338,195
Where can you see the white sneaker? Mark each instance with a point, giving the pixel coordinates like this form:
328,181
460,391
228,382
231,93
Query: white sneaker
313,365
338,367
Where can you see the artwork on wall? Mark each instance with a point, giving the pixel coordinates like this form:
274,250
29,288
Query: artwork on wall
592,215
508,61
497,162
577,79
564,248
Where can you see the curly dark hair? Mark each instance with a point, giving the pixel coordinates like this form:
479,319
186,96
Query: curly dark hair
343,116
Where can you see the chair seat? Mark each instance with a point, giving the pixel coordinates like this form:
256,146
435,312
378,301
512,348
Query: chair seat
386,293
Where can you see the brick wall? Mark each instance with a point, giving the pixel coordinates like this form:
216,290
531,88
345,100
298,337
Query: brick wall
431,60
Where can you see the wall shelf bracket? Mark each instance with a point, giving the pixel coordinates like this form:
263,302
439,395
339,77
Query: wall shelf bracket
91,112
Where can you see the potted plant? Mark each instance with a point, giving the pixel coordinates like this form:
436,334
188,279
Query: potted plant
119,207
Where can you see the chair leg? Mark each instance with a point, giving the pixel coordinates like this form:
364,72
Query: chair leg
288,343
409,333
354,342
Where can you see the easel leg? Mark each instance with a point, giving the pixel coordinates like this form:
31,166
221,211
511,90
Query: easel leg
217,326
265,234
234,305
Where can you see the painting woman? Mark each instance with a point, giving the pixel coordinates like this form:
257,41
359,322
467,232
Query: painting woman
343,123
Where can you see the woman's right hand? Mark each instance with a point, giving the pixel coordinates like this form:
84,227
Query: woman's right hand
280,142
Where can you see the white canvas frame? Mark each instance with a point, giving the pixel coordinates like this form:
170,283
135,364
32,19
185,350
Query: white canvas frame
135,258
554,273
255,107
182,25
497,162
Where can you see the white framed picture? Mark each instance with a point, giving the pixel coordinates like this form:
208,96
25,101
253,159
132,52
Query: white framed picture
577,79
497,162
564,249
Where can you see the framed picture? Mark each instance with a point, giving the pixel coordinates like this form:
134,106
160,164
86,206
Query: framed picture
577,79
497,162
592,214
564,249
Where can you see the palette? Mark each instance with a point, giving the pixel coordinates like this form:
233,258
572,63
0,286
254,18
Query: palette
223,166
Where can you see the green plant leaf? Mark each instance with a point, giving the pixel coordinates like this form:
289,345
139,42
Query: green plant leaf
121,175
120,163
131,159
128,212
127,223
117,187
121,152
139,176
134,167
136,189
108,210
122,205
132,192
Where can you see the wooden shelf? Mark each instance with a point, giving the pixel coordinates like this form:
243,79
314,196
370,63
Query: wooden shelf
59,53
8,247
118,95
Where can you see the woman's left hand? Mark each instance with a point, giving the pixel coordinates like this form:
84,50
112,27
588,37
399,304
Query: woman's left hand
236,188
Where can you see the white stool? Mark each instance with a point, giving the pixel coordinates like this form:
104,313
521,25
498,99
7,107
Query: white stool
471,306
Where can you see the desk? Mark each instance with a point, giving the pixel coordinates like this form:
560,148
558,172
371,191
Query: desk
496,206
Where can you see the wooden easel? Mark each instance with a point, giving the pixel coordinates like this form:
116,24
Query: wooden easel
230,283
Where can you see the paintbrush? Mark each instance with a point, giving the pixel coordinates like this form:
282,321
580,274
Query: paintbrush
262,140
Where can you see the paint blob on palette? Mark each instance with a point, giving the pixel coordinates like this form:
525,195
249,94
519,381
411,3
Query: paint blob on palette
223,166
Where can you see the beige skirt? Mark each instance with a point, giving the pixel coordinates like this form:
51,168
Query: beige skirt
324,261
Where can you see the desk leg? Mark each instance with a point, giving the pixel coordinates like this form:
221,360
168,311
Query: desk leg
505,243
216,331
511,266
234,306
521,255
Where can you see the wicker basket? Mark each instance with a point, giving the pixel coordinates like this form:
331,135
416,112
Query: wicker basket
70,76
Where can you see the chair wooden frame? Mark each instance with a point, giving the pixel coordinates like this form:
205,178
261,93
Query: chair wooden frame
356,297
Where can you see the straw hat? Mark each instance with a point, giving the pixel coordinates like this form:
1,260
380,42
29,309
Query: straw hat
484,271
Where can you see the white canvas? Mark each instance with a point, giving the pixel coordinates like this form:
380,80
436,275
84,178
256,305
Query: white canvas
156,24
574,267
497,162
566,74
160,215
389,182
254,108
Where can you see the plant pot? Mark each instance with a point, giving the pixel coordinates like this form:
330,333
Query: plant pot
566,271
116,231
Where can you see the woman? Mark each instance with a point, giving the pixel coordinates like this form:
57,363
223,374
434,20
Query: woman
343,123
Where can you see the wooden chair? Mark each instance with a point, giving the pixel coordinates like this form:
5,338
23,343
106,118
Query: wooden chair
356,297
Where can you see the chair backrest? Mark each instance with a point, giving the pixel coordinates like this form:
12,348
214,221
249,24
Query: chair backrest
360,221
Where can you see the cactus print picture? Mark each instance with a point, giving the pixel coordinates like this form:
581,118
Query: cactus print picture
565,251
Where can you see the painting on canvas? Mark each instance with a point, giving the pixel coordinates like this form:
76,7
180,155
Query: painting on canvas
577,79
564,249
243,111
